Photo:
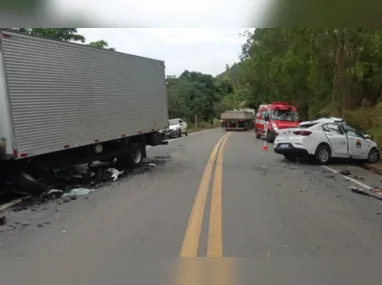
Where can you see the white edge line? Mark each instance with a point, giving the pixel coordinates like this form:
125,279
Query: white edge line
12,203
347,177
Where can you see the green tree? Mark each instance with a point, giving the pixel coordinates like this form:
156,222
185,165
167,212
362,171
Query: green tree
62,34
323,71
193,94
101,44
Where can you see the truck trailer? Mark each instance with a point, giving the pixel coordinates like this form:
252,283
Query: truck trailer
64,104
237,120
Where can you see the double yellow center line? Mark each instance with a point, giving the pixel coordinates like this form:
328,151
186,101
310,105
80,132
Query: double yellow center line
191,239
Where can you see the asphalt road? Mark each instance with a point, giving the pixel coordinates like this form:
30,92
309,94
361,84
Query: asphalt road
213,194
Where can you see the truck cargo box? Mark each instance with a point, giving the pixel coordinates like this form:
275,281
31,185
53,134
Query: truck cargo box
239,115
57,95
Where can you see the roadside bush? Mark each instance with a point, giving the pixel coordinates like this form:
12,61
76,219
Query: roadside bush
368,120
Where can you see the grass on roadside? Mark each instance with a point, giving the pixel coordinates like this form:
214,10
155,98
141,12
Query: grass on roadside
368,120
192,128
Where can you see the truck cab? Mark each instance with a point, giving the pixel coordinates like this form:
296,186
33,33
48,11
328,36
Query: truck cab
275,116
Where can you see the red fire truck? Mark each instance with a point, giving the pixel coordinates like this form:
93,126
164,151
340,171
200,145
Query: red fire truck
272,117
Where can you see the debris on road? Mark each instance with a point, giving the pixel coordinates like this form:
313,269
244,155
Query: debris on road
329,175
77,192
359,177
358,191
2,220
66,185
54,193
376,190
370,192
345,172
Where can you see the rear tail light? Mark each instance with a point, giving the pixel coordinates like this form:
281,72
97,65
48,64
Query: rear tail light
302,133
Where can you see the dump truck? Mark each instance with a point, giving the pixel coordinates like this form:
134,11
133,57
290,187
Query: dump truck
63,104
237,120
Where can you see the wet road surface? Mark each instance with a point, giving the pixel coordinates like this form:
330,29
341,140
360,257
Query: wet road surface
212,194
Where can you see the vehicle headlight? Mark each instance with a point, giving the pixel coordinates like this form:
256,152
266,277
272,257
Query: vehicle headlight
274,126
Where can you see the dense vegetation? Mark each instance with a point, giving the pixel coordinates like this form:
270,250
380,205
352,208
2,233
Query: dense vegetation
324,72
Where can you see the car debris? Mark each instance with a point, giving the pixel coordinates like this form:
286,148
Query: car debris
329,175
370,192
376,190
345,172
2,220
358,191
77,192
359,177
54,193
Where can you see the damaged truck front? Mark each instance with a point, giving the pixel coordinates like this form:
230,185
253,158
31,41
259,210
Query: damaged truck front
63,104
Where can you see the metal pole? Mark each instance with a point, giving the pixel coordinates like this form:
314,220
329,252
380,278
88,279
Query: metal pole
196,121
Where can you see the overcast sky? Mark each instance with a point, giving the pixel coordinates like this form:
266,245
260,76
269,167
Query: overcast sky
166,13
203,50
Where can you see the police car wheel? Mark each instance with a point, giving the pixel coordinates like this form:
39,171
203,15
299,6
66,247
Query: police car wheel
322,155
374,155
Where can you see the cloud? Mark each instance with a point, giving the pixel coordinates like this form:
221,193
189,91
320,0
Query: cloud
167,13
204,50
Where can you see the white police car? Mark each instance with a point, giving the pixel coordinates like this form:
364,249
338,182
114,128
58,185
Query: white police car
326,138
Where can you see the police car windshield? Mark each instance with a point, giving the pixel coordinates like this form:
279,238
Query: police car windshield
284,115
351,131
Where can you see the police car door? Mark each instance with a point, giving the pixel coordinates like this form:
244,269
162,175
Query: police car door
337,139
358,146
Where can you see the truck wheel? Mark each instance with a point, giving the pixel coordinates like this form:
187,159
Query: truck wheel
258,136
137,153
133,159
27,184
374,155
322,154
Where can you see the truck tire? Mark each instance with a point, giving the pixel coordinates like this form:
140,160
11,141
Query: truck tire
186,133
258,136
323,154
137,154
27,184
133,158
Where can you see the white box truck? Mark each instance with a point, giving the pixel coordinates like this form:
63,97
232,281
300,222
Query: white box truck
63,103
